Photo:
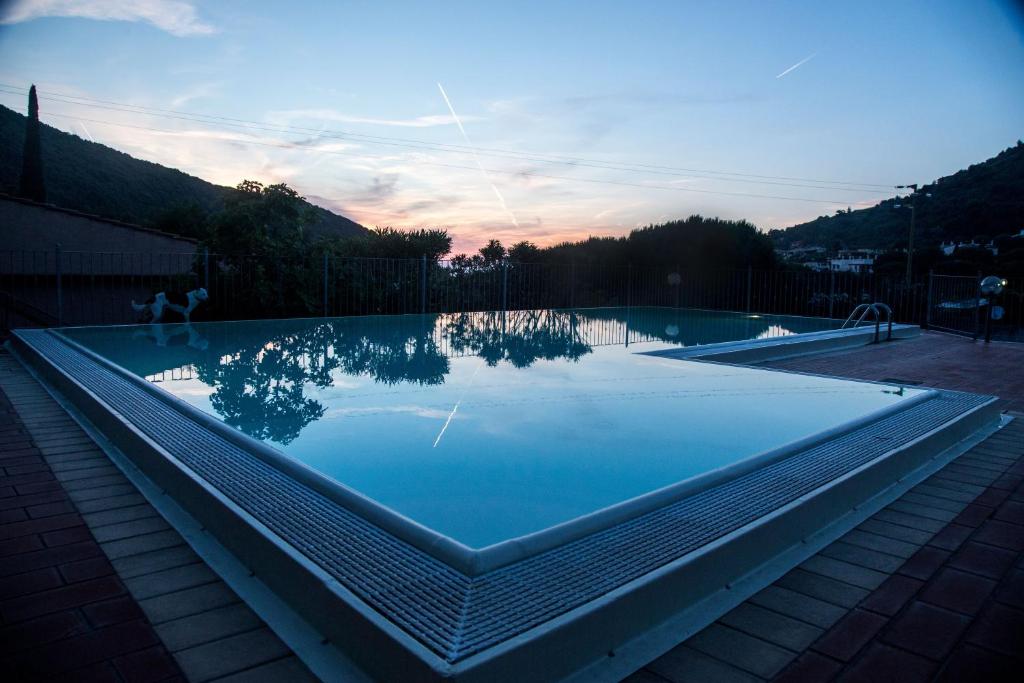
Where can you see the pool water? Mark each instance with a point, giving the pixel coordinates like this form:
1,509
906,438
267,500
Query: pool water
485,427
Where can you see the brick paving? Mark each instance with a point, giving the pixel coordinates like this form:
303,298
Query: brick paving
931,588
94,584
64,612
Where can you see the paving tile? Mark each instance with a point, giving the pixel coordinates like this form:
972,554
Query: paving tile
147,666
294,671
183,603
90,506
62,656
974,514
228,656
924,563
186,632
951,536
926,630
76,534
141,544
18,546
810,667
62,507
823,588
798,605
120,488
1002,534
742,651
638,676
119,515
850,634
958,591
47,557
129,529
880,663
970,663
909,520
56,599
83,570
30,582
892,595
895,531
170,580
844,571
683,664
863,557
987,560
1011,590
890,546
39,526
154,561
927,511
114,611
1011,512
42,630
771,626
937,502
999,628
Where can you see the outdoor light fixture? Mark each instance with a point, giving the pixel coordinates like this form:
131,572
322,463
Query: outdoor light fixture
993,285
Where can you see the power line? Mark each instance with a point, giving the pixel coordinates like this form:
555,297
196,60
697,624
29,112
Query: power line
211,119
306,148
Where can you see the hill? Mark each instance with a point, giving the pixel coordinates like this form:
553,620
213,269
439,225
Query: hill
981,202
93,178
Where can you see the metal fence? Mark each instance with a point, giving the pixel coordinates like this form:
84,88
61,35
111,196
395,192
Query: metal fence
83,288
956,304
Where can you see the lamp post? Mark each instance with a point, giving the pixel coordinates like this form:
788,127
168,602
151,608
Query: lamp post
910,237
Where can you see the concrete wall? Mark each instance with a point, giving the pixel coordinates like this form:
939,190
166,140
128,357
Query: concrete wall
90,245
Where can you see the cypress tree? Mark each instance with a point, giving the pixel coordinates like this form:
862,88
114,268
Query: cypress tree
32,156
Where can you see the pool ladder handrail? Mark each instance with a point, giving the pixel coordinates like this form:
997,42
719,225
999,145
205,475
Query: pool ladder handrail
877,308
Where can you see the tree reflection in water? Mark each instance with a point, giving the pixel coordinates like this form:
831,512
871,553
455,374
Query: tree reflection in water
264,372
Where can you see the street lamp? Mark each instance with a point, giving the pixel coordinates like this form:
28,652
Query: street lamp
910,238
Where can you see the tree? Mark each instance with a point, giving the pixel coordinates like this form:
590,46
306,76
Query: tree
32,186
524,252
494,251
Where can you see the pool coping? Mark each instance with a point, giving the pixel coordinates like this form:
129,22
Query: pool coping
482,663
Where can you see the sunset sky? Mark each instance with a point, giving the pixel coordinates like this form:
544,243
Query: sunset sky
585,118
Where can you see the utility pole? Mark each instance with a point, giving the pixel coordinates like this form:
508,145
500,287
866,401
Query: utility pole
910,238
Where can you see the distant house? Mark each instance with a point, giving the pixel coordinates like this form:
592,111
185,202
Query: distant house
853,261
949,248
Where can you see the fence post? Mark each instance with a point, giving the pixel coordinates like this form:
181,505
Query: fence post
977,307
928,302
423,284
206,268
572,284
504,285
60,292
750,284
831,291
629,287
325,285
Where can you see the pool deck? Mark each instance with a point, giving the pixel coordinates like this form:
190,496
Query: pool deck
930,588
96,585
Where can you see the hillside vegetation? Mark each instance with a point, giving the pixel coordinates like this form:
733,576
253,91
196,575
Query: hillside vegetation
982,202
93,178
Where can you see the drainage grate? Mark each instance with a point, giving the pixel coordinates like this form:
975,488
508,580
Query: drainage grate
454,615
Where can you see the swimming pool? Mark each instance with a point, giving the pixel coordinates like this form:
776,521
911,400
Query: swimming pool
487,483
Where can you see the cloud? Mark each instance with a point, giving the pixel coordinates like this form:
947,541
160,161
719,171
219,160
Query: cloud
177,17
195,93
287,116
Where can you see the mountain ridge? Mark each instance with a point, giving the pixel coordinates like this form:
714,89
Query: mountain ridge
80,175
985,200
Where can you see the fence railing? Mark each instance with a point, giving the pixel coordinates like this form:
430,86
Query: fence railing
84,288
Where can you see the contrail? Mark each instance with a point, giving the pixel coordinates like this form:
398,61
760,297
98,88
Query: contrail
494,187
86,130
798,64
455,408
